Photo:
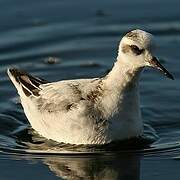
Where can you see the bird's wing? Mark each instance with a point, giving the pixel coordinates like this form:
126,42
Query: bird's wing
59,96
56,96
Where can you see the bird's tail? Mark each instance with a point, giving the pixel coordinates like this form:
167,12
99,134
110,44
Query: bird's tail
25,83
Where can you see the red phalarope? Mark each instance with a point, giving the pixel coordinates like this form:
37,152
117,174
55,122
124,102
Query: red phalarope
91,111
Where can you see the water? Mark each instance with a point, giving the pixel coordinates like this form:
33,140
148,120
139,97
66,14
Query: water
76,39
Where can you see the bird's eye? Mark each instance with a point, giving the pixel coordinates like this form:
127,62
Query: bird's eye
136,50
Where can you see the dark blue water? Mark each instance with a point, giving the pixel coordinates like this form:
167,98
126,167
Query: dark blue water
76,39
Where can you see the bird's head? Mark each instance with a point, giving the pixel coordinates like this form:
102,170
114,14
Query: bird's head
136,49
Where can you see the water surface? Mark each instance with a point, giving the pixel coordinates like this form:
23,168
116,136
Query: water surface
76,39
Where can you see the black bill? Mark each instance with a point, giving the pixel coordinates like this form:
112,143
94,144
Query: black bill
155,63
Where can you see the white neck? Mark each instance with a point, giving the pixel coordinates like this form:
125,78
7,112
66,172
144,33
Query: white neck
123,103
123,75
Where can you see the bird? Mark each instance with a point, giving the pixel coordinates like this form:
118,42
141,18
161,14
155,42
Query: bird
94,110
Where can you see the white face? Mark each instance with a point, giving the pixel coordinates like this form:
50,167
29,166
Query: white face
135,49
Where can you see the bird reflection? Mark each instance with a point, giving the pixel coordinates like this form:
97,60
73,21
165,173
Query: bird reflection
111,167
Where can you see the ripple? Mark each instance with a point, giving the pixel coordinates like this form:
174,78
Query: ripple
60,40
23,140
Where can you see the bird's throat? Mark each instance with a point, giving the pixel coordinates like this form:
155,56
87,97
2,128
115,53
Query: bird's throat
123,76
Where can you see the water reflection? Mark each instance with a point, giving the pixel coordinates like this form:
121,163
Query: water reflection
119,167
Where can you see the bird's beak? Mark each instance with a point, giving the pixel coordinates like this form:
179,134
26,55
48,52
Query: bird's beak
156,64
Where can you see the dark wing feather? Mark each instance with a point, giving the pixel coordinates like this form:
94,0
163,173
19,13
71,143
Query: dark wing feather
30,84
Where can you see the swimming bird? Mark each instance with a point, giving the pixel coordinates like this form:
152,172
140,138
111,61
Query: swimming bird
91,111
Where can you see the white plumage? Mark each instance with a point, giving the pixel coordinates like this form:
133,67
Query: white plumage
90,111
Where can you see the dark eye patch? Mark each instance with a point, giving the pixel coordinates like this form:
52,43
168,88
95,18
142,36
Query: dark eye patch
136,50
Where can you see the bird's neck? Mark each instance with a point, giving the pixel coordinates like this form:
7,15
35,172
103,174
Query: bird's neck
123,76
122,103
122,85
